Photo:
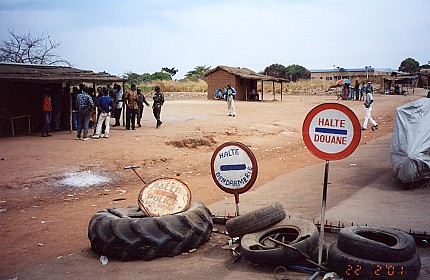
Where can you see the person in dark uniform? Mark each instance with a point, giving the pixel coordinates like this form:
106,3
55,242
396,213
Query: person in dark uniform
158,98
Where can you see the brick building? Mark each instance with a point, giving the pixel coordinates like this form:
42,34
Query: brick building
242,79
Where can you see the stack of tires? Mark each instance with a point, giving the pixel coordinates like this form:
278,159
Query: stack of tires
374,253
126,233
259,229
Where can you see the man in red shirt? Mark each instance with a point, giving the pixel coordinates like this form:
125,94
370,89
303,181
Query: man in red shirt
47,114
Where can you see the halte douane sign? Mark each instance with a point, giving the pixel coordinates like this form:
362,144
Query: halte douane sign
234,167
331,131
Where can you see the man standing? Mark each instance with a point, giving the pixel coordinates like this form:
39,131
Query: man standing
118,103
140,101
104,104
362,91
84,104
47,113
368,106
229,94
132,108
357,90
158,98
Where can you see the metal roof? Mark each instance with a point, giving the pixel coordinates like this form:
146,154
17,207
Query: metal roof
388,70
20,72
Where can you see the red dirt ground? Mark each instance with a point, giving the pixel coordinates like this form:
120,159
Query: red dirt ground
42,217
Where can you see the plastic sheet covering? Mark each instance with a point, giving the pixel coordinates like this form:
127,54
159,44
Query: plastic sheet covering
410,147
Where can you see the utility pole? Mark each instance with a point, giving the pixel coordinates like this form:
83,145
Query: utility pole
367,71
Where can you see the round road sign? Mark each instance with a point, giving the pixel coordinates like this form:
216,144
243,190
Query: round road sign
234,167
331,131
164,196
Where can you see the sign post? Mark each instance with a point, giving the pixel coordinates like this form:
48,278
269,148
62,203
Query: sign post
234,169
331,131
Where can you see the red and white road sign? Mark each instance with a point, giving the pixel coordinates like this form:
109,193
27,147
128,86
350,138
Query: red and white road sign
331,131
234,167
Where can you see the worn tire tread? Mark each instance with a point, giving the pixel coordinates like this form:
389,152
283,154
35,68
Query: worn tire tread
255,220
149,237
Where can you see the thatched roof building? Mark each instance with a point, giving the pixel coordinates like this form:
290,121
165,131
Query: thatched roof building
242,79
21,94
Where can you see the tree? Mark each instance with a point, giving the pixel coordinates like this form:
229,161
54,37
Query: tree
132,78
409,65
275,70
146,77
198,73
32,50
426,66
171,71
160,76
296,72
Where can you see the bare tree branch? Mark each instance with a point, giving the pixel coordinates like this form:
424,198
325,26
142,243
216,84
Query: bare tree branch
33,50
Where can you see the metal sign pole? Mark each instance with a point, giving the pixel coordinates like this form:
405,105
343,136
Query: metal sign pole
236,200
133,167
324,202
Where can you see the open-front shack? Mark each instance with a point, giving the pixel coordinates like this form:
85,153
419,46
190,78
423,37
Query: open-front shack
22,87
243,80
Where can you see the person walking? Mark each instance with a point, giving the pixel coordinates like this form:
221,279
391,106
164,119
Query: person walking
84,104
100,93
132,108
118,104
368,108
158,98
104,105
229,94
140,101
47,113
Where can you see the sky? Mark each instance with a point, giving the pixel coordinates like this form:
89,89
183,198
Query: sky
143,36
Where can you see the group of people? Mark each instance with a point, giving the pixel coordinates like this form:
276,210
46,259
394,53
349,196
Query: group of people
111,100
358,92
362,93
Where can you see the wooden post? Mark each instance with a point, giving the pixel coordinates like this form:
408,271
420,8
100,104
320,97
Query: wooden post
273,86
123,104
262,91
70,108
281,90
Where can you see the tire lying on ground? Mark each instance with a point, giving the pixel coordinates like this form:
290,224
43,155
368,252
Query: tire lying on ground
378,244
352,267
301,234
255,220
121,233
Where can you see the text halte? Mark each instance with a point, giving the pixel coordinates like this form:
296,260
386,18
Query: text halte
331,122
229,153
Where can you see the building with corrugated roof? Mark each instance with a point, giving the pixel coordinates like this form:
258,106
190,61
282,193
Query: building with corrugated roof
336,74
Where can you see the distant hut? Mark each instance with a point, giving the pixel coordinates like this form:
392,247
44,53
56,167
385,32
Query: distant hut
242,79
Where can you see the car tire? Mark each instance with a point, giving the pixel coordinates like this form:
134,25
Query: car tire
378,244
255,220
300,234
121,233
351,267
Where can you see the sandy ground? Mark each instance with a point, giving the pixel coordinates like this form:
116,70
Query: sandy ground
51,187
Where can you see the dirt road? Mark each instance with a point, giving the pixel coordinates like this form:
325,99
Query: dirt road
51,187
